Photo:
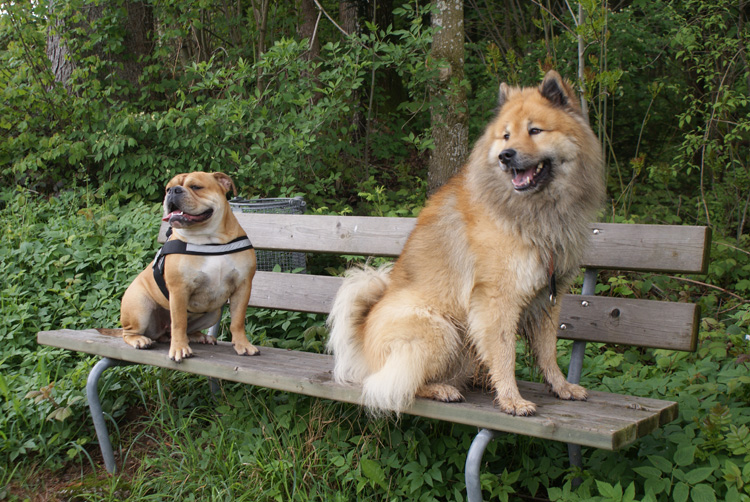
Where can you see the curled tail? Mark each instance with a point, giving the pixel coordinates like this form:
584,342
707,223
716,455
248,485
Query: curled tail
362,289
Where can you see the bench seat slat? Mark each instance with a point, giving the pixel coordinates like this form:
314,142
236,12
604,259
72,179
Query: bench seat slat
608,421
651,248
647,323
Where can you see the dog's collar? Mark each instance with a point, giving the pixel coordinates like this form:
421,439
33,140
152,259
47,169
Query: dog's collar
181,247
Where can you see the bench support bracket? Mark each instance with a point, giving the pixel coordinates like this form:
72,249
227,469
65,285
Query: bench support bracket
97,414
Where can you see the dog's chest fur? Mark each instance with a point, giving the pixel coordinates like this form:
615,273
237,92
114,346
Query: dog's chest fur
211,280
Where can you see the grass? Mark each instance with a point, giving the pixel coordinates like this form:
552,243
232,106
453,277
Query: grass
67,261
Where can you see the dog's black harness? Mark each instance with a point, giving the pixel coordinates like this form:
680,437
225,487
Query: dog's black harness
180,247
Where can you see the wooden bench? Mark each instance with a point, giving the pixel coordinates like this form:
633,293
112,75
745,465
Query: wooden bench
608,421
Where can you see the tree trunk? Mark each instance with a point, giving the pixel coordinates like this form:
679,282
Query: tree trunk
260,14
348,17
138,26
308,28
450,120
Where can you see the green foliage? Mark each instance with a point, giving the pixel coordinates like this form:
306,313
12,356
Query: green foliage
280,124
66,262
666,84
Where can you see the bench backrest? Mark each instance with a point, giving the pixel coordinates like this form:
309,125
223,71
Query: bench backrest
647,248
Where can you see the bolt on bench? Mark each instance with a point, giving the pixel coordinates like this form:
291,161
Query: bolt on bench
608,421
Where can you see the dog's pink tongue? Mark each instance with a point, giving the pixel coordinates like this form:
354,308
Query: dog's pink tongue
170,215
523,178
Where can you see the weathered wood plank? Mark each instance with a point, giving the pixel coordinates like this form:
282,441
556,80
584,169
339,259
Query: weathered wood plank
646,323
298,292
657,248
608,421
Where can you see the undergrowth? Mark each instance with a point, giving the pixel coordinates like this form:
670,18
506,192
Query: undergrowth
66,261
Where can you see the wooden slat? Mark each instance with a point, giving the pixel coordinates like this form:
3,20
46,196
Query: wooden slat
650,248
608,421
298,292
646,323
656,248
367,236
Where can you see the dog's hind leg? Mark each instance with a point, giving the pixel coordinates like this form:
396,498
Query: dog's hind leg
411,349
440,392
198,324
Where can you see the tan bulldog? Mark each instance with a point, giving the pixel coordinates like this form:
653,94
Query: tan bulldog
213,261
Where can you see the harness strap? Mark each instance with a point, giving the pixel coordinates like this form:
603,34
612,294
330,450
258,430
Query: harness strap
180,247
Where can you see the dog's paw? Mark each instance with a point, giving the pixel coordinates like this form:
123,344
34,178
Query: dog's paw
138,341
441,392
199,337
516,406
245,348
178,352
571,392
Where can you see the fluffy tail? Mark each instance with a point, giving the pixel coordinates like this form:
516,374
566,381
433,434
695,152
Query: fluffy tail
362,288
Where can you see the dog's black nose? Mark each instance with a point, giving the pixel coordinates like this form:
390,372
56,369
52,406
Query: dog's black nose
507,155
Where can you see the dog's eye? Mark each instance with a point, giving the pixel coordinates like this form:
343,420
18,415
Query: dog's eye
534,130
506,136
195,187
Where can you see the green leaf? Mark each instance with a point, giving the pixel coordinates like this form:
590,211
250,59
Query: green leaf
697,475
685,455
629,494
661,463
372,471
648,472
680,492
609,491
703,493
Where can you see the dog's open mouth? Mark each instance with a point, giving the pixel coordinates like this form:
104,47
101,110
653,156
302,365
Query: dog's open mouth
182,218
531,177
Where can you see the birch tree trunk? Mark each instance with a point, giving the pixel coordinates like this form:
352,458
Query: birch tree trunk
450,130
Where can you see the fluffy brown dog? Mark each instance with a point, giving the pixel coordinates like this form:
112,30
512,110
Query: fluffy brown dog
479,266
198,286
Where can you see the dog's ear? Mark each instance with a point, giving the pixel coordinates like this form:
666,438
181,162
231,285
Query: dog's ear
557,91
503,96
225,182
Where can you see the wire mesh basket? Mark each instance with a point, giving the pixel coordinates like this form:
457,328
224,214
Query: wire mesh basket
267,260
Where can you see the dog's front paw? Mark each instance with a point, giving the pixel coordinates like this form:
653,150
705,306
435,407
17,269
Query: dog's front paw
516,406
138,341
571,392
245,348
178,352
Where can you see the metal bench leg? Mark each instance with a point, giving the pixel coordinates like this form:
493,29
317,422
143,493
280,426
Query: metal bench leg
577,353
574,376
92,393
474,464
576,460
